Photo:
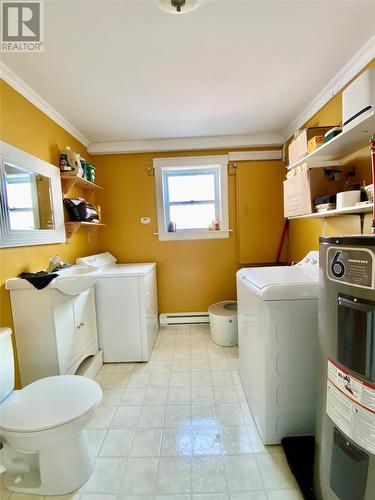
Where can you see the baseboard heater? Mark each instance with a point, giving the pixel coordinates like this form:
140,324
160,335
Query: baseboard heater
183,318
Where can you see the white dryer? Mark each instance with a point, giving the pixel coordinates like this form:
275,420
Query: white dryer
126,307
278,334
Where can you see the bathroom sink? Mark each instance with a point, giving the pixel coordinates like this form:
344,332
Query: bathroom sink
71,280
75,279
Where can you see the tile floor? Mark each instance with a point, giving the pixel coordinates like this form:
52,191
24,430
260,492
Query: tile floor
179,428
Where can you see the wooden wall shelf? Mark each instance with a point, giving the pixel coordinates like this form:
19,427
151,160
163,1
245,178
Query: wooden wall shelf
72,227
67,181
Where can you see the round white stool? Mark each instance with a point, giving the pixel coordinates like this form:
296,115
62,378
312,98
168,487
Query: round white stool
223,323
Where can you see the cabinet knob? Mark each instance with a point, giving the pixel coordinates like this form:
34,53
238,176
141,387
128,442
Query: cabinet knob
82,324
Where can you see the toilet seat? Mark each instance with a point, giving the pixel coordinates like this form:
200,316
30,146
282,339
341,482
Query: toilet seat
48,403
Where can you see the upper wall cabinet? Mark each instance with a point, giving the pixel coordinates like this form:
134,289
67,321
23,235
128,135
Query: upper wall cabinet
31,207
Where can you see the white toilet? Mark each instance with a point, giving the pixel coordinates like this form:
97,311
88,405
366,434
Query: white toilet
43,442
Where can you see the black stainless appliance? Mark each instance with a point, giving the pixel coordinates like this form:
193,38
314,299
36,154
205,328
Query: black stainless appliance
345,433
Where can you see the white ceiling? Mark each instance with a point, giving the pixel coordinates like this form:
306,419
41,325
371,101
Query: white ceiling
126,70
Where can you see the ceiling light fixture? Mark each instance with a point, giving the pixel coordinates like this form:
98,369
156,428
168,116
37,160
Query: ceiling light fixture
178,6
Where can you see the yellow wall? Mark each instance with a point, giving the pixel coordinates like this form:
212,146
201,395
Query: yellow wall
191,274
304,233
22,125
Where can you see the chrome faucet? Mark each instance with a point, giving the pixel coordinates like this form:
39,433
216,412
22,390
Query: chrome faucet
54,263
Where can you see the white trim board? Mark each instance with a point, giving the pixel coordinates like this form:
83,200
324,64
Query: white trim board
23,88
364,55
185,144
255,155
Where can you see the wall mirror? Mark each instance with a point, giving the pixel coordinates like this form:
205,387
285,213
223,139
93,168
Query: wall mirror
30,200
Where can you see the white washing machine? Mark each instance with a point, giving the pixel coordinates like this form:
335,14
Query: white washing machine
278,338
126,308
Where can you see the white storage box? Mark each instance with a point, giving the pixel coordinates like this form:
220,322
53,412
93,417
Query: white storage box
359,97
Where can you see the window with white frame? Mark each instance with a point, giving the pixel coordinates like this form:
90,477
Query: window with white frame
192,197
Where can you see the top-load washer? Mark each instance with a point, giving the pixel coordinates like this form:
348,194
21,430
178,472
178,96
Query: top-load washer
126,307
278,331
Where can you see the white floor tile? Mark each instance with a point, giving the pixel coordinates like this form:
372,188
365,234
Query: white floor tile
178,395
139,380
229,414
225,394
126,417
156,396
203,394
162,366
222,378
111,397
159,379
200,378
174,476
206,441
180,379
212,496
95,438
275,471
177,441
203,415
133,397
106,476
177,416
235,440
102,417
146,443
140,476
284,495
117,443
242,473
152,416
218,364
249,495
208,475
179,428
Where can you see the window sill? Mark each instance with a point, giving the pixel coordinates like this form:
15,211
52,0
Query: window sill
204,234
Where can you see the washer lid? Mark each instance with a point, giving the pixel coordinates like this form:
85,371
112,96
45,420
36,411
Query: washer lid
118,270
48,403
281,283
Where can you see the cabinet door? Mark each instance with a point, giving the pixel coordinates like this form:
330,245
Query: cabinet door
85,321
63,317
260,216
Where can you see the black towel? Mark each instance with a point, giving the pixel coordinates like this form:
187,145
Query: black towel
40,279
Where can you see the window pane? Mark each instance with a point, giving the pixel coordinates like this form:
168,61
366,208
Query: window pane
191,187
21,220
19,195
192,216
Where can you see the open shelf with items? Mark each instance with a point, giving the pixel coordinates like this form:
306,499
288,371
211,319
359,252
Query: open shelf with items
68,181
72,227
350,140
355,210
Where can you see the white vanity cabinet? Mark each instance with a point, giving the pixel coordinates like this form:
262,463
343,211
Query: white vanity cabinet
55,332
75,328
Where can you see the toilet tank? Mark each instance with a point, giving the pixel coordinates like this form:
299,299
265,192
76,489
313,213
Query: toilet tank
6,363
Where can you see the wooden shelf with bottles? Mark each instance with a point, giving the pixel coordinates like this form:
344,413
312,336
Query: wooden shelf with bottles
88,188
69,180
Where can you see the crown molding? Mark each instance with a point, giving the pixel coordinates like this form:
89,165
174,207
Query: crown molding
20,86
364,55
185,144
273,154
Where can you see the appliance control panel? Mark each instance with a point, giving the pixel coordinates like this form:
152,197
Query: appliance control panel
351,266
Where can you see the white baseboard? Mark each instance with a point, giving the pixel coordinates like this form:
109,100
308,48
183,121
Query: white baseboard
183,318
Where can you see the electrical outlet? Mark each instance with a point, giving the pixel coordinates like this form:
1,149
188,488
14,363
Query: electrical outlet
145,220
